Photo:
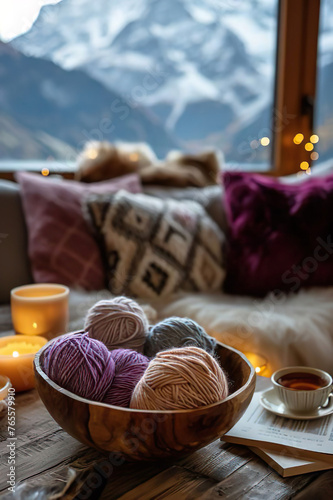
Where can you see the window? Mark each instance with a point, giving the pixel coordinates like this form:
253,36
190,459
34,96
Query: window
236,75
179,74
323,150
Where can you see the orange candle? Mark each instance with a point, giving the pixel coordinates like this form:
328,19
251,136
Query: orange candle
258,361
16,359
40,309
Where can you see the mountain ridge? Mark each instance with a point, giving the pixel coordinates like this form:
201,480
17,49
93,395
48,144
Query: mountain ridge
69,108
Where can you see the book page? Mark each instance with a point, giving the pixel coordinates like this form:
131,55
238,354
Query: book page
259,426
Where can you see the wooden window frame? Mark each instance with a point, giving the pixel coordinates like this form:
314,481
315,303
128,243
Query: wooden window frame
295,87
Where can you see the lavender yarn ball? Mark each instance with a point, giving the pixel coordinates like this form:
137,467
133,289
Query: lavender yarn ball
118,323
129,368
177,332
81,365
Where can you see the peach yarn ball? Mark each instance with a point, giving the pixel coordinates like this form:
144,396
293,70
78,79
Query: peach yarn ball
118,323
179,379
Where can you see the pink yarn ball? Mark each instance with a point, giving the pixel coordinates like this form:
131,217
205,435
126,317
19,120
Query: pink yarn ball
118,323
179,379
129,368
81,365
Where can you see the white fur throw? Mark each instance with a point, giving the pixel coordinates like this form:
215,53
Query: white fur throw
296,330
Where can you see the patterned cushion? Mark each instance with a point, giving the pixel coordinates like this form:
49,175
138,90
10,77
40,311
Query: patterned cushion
155,247
62,248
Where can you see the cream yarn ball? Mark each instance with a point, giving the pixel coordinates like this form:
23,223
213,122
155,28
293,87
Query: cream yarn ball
118,323
180,379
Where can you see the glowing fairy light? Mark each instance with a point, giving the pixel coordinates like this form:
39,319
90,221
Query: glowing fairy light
298,138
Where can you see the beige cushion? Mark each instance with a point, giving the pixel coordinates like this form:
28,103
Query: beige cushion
210,197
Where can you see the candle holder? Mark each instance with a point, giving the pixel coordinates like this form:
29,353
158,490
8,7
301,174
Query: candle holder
40,309
16,359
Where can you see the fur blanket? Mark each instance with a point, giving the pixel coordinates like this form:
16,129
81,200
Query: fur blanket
292,330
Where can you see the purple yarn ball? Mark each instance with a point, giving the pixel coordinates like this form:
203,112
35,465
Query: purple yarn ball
129,368
81,365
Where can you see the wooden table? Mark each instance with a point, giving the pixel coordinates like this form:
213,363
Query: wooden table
49,459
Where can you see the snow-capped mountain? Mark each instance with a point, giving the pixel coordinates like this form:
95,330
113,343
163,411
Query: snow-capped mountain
197,65
48,111
205,68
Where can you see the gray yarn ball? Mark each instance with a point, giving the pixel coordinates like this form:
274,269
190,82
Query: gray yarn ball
177,332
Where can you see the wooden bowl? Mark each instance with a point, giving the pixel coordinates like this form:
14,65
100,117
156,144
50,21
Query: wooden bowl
147,435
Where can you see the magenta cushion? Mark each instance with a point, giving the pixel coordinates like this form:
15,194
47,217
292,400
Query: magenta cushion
280,236
62,248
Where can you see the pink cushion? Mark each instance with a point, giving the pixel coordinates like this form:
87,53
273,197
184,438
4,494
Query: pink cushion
62,248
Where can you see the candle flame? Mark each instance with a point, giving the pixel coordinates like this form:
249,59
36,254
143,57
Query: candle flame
16,354
34,325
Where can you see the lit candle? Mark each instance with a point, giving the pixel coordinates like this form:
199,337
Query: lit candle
16,359
40,309
258,361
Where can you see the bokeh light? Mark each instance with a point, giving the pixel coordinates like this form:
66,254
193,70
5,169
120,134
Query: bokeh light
298,138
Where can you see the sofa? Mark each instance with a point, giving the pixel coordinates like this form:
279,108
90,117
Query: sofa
288,329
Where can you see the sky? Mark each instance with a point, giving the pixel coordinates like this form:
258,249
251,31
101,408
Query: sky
17,16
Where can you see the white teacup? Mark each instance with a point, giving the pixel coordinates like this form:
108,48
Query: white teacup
302,389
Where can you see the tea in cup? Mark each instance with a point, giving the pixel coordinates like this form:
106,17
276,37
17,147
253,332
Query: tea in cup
302,389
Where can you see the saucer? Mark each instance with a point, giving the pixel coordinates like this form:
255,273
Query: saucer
272,403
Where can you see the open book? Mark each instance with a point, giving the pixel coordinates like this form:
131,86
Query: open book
308,440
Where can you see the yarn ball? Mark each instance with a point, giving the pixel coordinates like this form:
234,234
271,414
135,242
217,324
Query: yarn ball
81,365
177,332
129,368
178,379
118,323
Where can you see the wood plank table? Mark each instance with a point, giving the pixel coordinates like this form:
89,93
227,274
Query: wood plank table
57,466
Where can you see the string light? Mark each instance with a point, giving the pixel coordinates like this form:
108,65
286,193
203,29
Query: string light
314,139
309,146
304,165
92,154
308,171
314,156
254,144
264,141
134,157
298,138
45,172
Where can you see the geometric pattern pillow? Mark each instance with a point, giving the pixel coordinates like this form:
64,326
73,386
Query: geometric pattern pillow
155,247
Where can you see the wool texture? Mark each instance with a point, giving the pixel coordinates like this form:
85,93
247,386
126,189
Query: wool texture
118,323
177,332
129,368
184,378
81,365
162,234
